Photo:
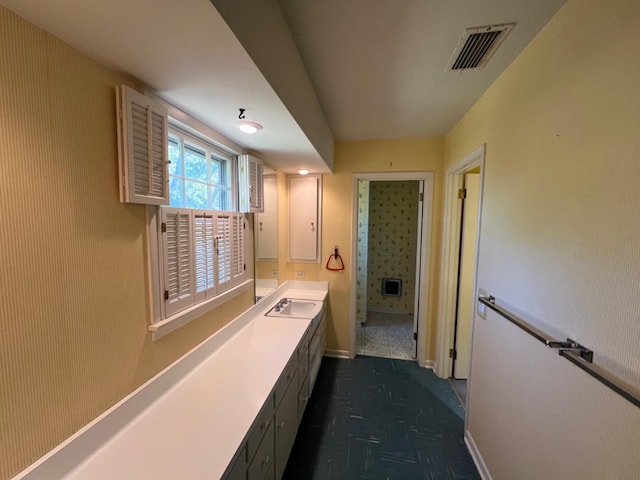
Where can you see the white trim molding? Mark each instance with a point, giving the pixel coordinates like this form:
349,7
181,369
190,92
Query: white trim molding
451,253
161,328
483,470
337,353
423,253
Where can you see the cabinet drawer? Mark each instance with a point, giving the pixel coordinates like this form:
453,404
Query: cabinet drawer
303,370
288,376
260,427
262,465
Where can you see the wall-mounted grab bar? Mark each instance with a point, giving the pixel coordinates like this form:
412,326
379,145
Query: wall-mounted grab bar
571,350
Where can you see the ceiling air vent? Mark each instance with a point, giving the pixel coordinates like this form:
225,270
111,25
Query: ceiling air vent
477,46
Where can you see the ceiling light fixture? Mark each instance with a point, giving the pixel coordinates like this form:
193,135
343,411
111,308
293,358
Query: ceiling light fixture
303,171
249,127
245,125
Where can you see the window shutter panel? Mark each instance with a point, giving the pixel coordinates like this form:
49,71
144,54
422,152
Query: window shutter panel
250,188
237,248
142,148
204,256
256,194
178,253
224,244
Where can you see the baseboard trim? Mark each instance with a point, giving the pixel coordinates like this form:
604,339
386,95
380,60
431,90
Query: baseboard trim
336,353
476,456
397,311
429,364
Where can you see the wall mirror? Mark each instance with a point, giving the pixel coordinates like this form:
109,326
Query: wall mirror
266,237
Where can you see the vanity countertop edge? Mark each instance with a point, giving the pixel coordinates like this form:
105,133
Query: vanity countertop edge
191,419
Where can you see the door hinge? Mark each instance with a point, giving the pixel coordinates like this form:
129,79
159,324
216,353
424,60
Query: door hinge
163,227
421,197
452,353
415,335
166,294
462,193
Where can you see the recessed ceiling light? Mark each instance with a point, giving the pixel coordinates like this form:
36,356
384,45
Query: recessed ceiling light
249,127
303,171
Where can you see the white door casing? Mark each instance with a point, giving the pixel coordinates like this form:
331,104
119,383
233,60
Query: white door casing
450,255
423,252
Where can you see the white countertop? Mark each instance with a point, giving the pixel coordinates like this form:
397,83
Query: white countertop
189,425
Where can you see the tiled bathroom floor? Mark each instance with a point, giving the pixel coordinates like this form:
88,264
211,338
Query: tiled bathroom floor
386,335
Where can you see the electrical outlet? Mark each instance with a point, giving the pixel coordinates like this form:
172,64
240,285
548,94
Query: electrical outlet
299,274
274,273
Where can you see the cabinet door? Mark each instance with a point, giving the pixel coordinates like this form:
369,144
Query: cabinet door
260,428
262,465
286,427
267,222
304,218
303,398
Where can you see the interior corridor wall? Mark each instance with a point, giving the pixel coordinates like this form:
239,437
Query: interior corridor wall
558,243
402,155
74,310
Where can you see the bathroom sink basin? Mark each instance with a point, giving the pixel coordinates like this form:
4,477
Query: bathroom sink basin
295,308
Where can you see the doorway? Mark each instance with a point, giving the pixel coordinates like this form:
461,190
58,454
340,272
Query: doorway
388,237
390,285
463,201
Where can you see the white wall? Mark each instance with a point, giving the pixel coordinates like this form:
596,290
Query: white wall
558,243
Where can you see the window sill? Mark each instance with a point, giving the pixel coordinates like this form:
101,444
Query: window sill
161,328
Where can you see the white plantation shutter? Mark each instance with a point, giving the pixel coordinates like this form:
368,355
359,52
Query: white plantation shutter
223,236
237,248
178,272
204,261
142,148
250,184
256,187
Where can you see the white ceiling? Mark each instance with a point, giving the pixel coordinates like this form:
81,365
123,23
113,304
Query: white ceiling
377,65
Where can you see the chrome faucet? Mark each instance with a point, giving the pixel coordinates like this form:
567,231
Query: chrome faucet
281,304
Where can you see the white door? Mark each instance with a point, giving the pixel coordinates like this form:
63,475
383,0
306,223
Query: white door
466,302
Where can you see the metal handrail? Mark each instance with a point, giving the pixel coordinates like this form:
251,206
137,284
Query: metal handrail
577,354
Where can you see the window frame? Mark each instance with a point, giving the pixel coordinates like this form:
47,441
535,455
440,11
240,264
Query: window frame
211,153
161,322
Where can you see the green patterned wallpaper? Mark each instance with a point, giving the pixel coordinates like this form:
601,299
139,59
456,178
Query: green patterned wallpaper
363,237
393,230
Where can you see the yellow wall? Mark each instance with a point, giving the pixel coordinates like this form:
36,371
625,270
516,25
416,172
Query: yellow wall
73,315
560,223
408,155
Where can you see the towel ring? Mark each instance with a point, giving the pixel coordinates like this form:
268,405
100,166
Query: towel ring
336,256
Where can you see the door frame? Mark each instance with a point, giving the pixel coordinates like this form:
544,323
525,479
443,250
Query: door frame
423,255
451,255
